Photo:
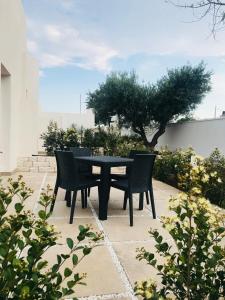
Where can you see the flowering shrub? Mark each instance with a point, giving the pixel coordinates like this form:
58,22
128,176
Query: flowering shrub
215,163
195,270
170,164
175,167
24,238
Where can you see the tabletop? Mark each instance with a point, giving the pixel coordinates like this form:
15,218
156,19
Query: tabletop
112,161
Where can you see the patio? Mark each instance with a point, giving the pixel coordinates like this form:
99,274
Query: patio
112,267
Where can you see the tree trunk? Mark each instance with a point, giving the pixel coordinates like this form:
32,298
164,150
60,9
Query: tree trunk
140,131
154,141
159,132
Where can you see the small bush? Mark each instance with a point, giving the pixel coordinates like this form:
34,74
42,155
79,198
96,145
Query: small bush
193,267
53,138
25,238
56,138
171,166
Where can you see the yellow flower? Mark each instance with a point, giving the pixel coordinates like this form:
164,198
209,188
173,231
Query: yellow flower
205,178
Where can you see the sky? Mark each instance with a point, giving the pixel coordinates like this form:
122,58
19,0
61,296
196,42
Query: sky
78,42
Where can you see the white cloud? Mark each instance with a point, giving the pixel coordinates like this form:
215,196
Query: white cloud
61,45
32,46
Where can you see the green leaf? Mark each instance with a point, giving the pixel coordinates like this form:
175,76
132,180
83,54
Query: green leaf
59,259
71,284
70,243
42,214
75,259
65,256
67,272
86,251
3,250
81,228
42,264
18,207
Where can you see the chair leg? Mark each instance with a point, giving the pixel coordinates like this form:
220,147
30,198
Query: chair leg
125,201
89,192
82,199
85,197
131,209
73,206
141,201
54,197
68,198
147,197
152,203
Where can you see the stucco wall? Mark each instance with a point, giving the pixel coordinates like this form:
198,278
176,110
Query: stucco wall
19,88
204,136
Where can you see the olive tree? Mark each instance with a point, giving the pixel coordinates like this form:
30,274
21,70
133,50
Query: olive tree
141,106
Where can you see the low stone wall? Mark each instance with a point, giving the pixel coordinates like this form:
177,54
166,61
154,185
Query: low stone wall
39,164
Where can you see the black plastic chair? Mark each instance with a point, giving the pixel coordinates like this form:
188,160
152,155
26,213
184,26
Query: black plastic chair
84,169
125,176
139,180
70,180
57,184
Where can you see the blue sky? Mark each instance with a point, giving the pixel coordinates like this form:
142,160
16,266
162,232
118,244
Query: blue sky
78,42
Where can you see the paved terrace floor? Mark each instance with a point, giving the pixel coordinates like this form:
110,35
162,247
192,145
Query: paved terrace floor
111,268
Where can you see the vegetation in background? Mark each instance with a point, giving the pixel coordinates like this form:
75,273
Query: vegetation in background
193,266
142,107
53,138
25,238
107,140
171,166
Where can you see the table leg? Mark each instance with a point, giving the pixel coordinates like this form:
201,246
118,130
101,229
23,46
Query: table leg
104,190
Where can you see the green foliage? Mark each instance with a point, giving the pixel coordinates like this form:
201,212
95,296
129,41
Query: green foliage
56,138
193,266
25,239
143,106
171,166
109,139
53,138
70,137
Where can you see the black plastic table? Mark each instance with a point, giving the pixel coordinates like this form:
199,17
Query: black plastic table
105,162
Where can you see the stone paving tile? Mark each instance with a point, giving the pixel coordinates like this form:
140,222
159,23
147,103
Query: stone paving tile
118,229
135,269
71,230
102,276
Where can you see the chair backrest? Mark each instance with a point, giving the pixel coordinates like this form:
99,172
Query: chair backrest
140,175
67,169
134,152
80,151
83,168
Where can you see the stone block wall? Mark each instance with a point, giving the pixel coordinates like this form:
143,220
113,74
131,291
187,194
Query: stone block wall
39,164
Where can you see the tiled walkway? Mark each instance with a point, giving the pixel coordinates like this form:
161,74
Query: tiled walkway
112,267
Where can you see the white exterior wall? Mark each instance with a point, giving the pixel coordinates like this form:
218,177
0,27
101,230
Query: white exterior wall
65,120
18,90
203,136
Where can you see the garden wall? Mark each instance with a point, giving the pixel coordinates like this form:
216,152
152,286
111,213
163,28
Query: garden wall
203,136
39,164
